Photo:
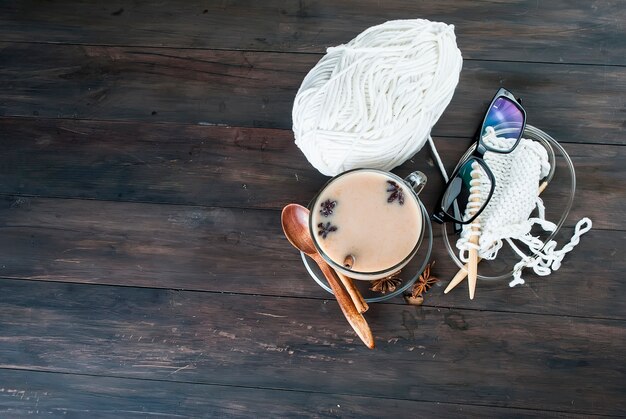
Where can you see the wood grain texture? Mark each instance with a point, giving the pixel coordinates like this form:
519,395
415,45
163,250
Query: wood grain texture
513,30
227,250
257,89
35,393
506,360
242,167
145,154
169,163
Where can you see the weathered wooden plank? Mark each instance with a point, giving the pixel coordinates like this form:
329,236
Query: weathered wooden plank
575,103
172,163
244,251
514,30
454,356
68,395
239,167
196,353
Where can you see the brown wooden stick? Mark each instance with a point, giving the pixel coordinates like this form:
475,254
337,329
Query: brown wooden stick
348,262
355,294
356,319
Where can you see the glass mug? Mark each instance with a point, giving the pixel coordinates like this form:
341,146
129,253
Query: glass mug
368,224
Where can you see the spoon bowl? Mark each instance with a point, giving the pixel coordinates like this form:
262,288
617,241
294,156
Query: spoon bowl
295,220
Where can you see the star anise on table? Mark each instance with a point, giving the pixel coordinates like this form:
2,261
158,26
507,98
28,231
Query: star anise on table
387,284
396,192
421,286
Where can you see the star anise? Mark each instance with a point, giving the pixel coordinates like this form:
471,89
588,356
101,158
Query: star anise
325,229
396,192
421,286
387,284
327,207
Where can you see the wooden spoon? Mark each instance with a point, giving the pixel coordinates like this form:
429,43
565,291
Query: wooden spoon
295,221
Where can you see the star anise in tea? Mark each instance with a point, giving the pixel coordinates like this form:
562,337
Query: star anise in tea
325,229
387,284
422,285
396,192
327,207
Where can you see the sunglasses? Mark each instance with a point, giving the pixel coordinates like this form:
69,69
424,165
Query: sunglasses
500,132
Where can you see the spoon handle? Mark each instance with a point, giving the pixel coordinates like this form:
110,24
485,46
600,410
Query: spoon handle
356,319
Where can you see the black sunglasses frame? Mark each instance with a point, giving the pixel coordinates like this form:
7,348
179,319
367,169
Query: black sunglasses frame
440,215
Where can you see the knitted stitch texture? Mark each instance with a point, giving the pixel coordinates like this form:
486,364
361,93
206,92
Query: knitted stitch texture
508,214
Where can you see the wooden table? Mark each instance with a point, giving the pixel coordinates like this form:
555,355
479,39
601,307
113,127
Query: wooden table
147,152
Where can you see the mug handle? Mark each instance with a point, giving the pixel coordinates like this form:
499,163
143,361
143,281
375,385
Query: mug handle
417,181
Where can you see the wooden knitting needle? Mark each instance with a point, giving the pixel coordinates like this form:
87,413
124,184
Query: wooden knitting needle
462,273
472,263
458,278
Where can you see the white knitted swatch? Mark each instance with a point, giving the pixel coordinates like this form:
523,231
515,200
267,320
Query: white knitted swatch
373,101
507,215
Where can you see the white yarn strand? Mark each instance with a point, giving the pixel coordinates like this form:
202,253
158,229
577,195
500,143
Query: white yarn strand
437,158
548,260
373,101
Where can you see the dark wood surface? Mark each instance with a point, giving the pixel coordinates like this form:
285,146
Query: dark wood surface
256,89
147,151
556,31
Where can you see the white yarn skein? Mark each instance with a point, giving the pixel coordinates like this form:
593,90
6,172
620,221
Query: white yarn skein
373,101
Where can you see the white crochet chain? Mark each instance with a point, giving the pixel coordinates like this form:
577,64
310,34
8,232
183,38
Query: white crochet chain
507,215
373,101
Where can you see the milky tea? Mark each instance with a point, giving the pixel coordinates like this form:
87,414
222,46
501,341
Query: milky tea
366,214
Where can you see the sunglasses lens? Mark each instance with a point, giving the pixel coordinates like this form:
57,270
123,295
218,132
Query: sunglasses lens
467,193
507,119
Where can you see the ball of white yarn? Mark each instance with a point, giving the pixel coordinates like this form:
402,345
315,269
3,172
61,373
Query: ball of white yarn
373,101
